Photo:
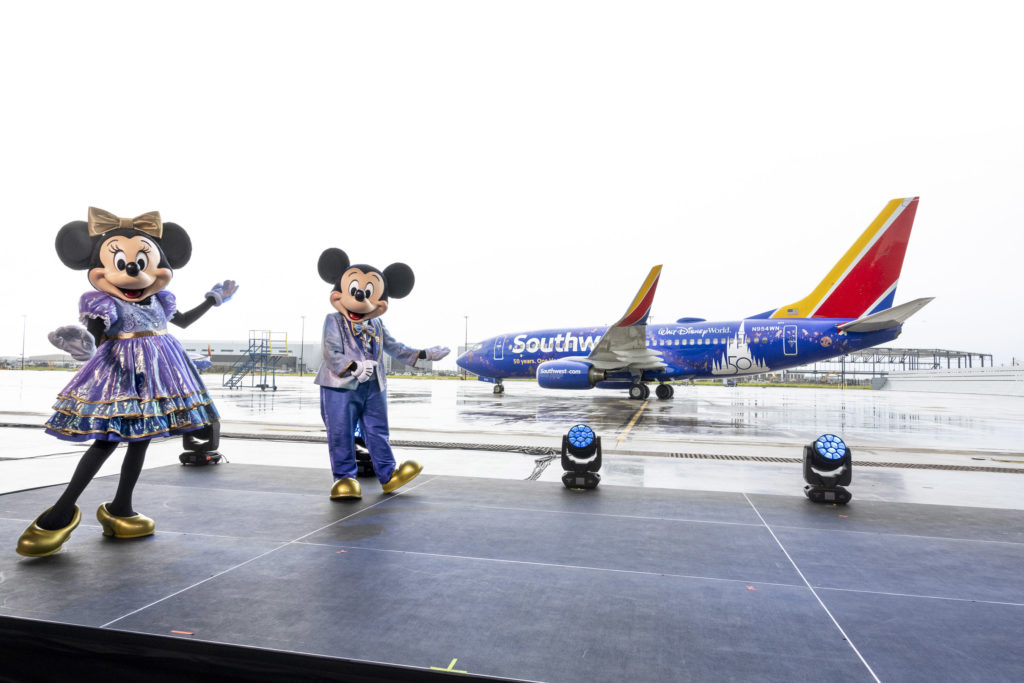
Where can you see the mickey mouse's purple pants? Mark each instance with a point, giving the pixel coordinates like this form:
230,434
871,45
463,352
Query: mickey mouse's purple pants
341,410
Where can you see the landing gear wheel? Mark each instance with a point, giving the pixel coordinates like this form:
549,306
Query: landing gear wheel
664,391
639,392
647,391
499,389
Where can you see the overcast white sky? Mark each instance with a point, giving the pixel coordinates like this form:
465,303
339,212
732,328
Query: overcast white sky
530,160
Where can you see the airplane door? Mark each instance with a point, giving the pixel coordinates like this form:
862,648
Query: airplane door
499,348
789,340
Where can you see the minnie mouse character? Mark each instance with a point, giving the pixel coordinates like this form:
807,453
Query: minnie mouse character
138,383
353,387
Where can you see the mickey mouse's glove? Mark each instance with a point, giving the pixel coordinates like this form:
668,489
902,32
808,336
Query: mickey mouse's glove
363,369
222,291
74,339
434,353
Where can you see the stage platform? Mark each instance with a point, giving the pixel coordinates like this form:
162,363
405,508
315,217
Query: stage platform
253,567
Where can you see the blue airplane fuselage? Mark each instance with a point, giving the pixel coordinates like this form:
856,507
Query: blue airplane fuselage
688,350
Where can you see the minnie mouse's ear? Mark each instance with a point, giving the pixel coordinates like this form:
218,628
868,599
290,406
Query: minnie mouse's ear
176,245
399,280
74,245
333,262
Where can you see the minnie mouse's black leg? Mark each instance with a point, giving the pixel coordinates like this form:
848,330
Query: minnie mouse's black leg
121,506
61,514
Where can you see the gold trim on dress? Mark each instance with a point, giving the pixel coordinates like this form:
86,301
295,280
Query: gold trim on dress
143,333
68,397
197,425
132,415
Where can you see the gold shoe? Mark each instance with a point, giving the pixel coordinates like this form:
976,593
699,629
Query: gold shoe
39,542
402,475
135,526
346,488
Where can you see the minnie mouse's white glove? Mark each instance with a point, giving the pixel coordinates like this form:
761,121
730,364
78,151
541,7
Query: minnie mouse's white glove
436,352
363,370
75,340
222,291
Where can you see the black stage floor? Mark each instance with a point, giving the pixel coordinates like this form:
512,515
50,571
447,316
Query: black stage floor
528,580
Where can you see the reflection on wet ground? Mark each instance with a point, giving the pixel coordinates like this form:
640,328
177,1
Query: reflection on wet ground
769,414
943,449
773,415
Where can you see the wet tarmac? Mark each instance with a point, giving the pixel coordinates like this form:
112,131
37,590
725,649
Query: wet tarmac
706,437
767,416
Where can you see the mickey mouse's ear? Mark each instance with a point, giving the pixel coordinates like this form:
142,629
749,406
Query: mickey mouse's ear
74,245
399,280
333,262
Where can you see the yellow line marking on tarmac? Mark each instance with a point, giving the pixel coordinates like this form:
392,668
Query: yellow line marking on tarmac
625,432
450,668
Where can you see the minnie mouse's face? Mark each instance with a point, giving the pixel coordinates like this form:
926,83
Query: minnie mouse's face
130,268
362,295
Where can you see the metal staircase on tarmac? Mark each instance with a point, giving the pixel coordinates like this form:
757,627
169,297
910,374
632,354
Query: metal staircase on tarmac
260,361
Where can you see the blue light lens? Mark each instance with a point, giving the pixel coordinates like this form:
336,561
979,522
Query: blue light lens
830,446
581,436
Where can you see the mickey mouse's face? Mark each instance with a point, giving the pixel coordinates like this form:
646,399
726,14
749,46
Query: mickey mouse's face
130,268
361,296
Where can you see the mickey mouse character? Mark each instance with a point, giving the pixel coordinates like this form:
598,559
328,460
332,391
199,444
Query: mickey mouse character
353,387
138,383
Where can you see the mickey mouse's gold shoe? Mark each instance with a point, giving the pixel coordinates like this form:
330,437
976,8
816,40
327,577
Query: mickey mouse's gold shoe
346,488
39,542
402,475
135,526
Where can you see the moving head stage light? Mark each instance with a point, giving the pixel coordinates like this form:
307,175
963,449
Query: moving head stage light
201,446
581,458
828,454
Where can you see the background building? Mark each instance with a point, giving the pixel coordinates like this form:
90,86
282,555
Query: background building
289,357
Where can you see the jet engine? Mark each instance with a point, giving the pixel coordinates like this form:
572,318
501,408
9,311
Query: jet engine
568,374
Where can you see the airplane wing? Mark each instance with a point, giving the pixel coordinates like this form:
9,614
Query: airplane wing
883,320
624,345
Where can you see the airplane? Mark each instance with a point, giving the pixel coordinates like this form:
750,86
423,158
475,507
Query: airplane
201,361
851,309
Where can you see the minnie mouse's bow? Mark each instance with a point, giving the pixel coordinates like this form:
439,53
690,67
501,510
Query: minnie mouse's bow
101,221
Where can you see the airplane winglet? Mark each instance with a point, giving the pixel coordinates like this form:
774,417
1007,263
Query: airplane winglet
638,311
883,320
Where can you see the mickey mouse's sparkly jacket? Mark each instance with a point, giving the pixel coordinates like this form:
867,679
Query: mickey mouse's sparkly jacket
341,346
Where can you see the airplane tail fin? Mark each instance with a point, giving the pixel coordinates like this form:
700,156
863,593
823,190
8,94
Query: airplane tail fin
865,278
640,309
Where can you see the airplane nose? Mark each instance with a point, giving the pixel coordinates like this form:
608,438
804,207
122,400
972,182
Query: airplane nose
469,362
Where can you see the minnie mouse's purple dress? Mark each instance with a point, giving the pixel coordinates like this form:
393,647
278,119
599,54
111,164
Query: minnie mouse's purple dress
139,385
